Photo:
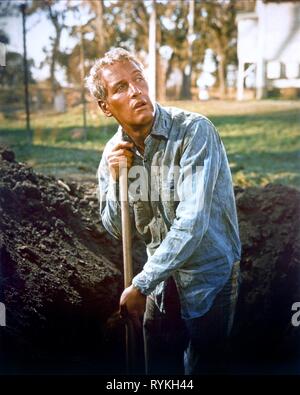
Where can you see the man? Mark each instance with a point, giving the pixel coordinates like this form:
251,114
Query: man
182,204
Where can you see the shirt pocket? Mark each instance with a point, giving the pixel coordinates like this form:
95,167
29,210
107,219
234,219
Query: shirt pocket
169,203
154,230
142,216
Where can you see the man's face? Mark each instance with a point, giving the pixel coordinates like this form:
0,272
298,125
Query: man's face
127,96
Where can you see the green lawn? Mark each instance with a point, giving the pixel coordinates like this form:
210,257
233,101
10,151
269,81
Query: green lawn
262,140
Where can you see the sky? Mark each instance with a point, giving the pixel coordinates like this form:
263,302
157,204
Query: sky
39,31
37,38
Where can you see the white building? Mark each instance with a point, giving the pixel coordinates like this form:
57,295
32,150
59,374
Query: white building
269,46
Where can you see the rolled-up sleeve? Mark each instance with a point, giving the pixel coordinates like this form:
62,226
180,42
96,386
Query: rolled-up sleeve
199,169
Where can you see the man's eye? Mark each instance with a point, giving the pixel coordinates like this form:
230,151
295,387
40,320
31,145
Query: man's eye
120,88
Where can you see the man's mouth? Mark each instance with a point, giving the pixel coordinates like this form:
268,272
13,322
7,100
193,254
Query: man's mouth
139,104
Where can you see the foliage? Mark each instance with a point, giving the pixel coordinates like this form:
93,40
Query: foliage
126,24
56,14
8,8
99,25
217,22
12,74
12,81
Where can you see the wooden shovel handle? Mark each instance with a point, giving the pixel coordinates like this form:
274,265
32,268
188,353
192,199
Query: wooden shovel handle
126,227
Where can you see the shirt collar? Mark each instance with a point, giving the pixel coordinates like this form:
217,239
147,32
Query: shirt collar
162,122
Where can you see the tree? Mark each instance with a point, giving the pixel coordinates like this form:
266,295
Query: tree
126,23
8,8
95,36
179,33
56,13
11,76
97,24
218,22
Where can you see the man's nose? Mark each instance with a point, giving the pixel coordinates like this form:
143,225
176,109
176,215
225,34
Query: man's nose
134,90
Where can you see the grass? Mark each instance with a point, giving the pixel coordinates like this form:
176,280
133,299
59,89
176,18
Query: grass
262,140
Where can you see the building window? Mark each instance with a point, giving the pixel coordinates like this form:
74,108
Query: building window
292,70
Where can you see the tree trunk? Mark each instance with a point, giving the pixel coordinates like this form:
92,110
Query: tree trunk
160,78
152,52
160,68
55,47
187,73
100,27
186,83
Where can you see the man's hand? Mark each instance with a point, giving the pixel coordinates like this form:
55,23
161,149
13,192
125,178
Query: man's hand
120,155
133,303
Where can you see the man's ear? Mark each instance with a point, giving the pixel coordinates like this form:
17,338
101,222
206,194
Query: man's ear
104,107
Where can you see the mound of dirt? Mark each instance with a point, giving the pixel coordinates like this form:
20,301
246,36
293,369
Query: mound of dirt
270,233
61,275
61,272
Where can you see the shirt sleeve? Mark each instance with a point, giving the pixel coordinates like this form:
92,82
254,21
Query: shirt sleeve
109,198
110,208
199,169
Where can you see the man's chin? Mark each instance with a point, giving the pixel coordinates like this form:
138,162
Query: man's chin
144,115
145,118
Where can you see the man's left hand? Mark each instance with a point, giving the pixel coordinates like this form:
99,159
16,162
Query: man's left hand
132,302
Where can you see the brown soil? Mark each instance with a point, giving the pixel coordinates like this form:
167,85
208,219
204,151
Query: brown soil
61,276
61,272
269,228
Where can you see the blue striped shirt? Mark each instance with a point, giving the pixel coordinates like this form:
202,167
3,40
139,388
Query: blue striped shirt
182,204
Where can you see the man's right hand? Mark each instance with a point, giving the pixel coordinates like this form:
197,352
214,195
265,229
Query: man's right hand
119,156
